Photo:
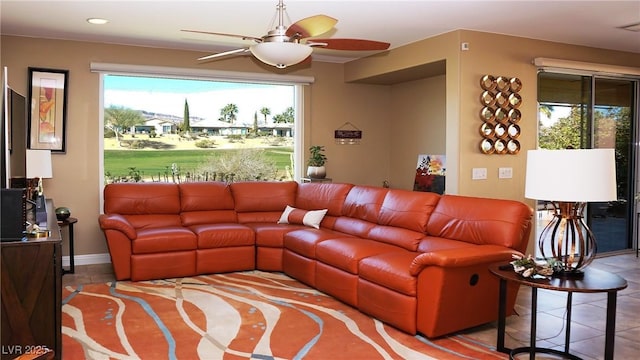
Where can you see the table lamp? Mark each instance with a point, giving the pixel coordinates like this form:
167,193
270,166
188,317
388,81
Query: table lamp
570,179
39,167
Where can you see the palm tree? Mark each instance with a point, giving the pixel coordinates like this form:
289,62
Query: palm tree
545,109
265,111
286,117
229,113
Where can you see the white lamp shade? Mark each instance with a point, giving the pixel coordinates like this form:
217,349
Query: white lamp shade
281,54
572,175
39,164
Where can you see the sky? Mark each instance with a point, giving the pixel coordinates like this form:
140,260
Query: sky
558,112
205,98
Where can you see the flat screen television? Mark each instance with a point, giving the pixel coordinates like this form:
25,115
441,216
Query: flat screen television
14,134
14,163
5,137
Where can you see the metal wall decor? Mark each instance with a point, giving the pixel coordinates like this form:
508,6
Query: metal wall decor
500,100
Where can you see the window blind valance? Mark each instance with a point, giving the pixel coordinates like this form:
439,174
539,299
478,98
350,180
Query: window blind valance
199,74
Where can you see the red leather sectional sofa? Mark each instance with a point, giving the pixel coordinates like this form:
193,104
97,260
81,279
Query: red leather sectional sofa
415,260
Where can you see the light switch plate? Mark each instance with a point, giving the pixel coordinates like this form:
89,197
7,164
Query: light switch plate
505,173
479,174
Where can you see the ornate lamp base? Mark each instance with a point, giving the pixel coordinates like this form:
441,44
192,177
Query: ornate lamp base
568,241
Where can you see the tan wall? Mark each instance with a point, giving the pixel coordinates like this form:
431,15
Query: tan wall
367,107
488,54
76,183
417,125
510,56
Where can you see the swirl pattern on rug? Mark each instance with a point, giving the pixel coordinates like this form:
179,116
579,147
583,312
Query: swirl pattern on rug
244,315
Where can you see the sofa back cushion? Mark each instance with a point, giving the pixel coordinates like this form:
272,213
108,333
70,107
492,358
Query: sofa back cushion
364,202
408,209
208,202
262,201
144,204
330,196
318,196
482,221
360,210
403,218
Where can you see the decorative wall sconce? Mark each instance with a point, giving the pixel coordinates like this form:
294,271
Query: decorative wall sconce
500,101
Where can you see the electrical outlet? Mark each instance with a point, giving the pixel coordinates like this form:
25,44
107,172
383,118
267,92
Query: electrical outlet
505,173
479,174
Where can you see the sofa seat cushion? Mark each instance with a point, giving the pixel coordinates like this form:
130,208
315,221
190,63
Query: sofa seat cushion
163,240
303,242
346,253
390,270
223,235
270,234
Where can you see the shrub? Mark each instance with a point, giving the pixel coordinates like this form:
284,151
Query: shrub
205,143
243,165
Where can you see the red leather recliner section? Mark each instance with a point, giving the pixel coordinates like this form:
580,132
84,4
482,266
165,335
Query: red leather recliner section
418,261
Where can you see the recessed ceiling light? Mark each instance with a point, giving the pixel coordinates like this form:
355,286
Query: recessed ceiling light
633,27
97,21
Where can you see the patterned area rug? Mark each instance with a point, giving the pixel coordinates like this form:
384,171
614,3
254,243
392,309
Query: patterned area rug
245,315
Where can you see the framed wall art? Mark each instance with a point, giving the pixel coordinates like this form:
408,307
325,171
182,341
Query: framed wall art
47,109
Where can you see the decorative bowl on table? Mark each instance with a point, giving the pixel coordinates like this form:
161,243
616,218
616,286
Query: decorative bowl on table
62,213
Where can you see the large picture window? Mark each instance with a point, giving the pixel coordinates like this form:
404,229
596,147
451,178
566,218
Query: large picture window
163,126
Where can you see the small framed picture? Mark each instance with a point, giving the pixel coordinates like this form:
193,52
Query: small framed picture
47,109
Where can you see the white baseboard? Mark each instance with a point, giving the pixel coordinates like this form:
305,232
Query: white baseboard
89,259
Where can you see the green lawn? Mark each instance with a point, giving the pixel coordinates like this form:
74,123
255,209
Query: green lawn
155,163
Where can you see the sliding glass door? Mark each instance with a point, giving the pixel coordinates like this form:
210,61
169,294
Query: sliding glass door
584,111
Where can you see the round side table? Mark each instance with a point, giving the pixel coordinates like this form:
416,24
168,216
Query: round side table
594,281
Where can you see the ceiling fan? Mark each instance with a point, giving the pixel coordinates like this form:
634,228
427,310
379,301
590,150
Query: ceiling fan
286,46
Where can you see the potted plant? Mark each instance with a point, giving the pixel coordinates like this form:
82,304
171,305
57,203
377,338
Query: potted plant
315,164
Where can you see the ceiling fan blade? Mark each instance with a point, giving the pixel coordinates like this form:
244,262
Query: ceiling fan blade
243,37
349,44
311,26
224,53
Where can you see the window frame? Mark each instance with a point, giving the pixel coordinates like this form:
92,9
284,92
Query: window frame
299,83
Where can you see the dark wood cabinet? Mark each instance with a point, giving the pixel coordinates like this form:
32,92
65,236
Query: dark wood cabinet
32,294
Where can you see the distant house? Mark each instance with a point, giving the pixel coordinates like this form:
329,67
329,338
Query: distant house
161,126
217,127
279,129
211,127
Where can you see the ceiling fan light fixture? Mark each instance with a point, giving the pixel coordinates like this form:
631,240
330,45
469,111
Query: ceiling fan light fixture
97,21
281,54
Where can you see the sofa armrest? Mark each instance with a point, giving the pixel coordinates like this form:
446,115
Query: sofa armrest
462,257
117,222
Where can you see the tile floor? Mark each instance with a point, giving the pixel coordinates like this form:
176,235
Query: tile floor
588,315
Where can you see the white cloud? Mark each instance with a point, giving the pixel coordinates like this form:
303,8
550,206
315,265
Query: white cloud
206,104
